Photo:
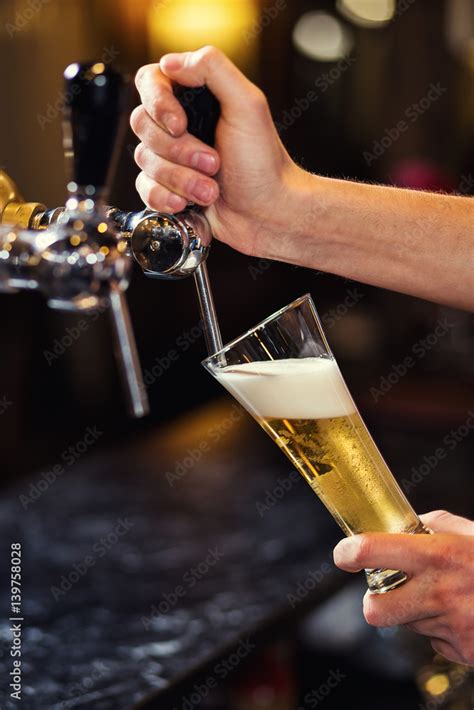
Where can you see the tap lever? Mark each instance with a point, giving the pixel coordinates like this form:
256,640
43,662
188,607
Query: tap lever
212,334
203,111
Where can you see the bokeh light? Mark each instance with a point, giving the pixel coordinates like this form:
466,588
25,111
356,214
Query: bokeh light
322,37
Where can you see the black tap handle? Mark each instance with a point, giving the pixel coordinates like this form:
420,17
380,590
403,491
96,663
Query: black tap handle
203,111
95,106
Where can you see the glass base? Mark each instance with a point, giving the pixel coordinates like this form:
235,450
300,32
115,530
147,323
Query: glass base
381,581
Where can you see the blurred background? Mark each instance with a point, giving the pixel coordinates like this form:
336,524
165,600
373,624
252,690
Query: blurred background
380,91
341,77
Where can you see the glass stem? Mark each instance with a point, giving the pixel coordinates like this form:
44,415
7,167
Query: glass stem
381,581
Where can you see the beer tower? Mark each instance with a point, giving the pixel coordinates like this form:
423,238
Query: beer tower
80,263
165,246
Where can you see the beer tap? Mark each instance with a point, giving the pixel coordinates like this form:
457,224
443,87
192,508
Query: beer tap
177,246
94,111
78,260
165,246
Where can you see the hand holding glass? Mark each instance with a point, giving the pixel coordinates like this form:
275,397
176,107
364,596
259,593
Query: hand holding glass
284,374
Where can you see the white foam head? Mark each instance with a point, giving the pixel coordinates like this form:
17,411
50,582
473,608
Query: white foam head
306,388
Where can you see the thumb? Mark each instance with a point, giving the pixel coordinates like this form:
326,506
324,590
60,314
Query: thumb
210,67
442,521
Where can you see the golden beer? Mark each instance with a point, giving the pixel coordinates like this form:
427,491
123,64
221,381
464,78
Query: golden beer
304,406
343,466
284,374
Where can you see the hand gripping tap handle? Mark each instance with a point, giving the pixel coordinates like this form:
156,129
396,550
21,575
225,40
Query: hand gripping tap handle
94,110
203,112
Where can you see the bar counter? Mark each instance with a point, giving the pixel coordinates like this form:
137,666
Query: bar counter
145,567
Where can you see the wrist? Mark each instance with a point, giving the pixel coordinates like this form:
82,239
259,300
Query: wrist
298,236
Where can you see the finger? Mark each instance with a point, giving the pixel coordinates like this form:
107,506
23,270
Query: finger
413,601
209,66
409,553
193,186
186,150
157,197
433,628
447,650
442,521
156,93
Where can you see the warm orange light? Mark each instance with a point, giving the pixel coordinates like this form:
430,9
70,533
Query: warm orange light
437,684
181,25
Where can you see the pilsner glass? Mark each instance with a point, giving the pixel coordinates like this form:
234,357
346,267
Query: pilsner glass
284,374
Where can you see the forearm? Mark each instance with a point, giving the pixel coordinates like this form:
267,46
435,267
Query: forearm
259,202
413,242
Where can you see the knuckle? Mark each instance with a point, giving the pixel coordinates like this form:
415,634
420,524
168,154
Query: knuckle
149,192
423,598
258,99
440,514
137,118
257,95
363,550
209,51
139,154
175,177
459,560
156,170
440,597
210,55
155,197
140,187
157,104
443,555
176,151
371,613
141,73
162,173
